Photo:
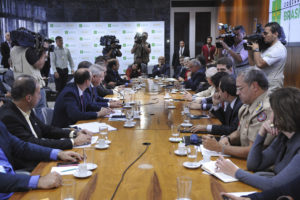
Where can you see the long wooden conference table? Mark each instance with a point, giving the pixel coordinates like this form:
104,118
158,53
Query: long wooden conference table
155,181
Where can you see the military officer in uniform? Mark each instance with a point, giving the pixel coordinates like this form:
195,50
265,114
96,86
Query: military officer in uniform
252,87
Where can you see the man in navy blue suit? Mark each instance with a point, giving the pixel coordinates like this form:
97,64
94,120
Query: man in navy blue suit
161,68
196,76
228,115
12,147
72,105
91,92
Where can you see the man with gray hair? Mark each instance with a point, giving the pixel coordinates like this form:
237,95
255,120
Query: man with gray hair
252,86
196,76
91,93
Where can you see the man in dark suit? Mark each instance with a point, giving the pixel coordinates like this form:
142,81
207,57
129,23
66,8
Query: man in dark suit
196,76
161,68
12,147
228,115
181,51
71,104
92,96
5,50
20,121
112,77
180,70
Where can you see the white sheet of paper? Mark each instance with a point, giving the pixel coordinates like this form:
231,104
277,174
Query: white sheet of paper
64,170
239,194
211,153
94,126
94,140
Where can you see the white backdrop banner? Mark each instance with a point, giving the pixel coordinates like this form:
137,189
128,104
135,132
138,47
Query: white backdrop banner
83,39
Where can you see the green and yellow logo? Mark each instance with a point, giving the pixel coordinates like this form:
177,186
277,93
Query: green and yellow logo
153,57
95,45
276,11
95,32
81,38
109,25
52,38
124,57
51,25
153,44
81,51
123,31
153,31
138,25
80,25
124,45
66,32
67,45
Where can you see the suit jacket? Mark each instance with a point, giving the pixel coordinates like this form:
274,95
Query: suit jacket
229,119
14,148
175,60
179,72
5,51
114,76
94,101
48,136
68,108
102,91
164,70
196,78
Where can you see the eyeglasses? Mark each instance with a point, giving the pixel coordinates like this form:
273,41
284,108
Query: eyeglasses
240,88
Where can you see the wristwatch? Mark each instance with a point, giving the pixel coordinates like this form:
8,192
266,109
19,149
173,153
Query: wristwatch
256,50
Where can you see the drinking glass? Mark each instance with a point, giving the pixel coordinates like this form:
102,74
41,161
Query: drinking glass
68,189
192,155
184,187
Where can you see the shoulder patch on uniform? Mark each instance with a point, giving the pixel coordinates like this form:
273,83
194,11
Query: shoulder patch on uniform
262,117
259,106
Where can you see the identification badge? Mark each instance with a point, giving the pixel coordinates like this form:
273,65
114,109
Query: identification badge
2,170
262,117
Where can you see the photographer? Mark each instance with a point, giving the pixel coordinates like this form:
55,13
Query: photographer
271,60
111,51
236,52
30,60
141,48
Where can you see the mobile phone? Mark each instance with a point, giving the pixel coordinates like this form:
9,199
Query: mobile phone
118,116
188,131
198,116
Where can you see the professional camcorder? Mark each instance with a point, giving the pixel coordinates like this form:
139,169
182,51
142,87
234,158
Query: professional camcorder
138,38
227,37
256,38
108,40
26,38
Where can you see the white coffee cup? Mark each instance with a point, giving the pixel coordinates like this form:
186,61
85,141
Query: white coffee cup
181,148
101,142
82,169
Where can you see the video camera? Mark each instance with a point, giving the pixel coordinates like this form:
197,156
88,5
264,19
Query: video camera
138,38
256,38
108,40
228,36
26,38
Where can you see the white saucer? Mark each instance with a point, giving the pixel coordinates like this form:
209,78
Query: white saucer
182,92
178,153
167,97
91,166
171,107
129,125
77,175
190,166
107,142
171,139
173,92
132,102
102,147
126,106
186,125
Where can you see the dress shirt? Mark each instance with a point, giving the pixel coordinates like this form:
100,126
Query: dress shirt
26,116
60,57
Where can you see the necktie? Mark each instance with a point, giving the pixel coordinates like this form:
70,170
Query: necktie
180,51
82,103
228,114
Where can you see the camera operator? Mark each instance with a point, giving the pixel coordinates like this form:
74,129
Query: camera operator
111,51
236,52
271,60
141,48
29,60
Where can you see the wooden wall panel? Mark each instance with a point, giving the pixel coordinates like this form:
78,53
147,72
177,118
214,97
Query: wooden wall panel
243,12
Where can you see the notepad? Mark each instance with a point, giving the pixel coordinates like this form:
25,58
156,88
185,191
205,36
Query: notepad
212,153
94,126
210,167
64,170
239,194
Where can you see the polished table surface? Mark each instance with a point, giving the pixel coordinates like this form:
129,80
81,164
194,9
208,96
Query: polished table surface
153,176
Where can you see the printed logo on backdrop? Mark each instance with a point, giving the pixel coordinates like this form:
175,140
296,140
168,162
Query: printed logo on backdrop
276,11
68,32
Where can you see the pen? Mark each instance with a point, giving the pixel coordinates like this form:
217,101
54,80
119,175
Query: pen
67,170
